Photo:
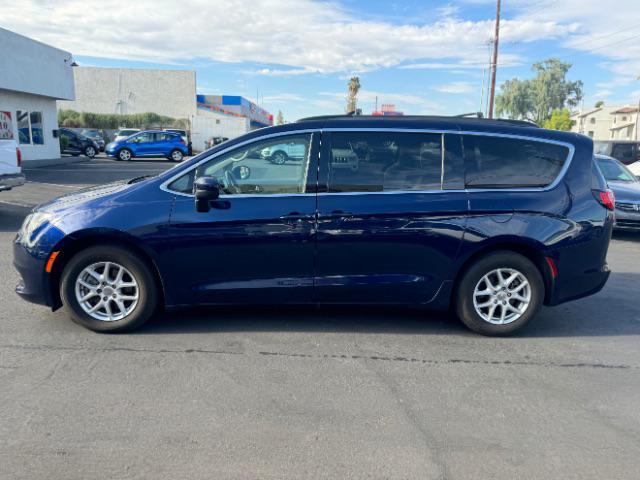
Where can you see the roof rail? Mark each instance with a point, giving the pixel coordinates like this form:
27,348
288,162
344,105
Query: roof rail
463,117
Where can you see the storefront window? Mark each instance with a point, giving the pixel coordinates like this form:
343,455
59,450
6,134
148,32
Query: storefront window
37,133
24,132
30,128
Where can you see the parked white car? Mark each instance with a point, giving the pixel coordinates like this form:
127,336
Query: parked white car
279,154
125,133
10,165
635,168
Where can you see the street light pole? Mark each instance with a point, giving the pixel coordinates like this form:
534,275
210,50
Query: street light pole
494,61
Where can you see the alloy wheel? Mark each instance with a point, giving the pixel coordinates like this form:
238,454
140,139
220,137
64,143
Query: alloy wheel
107,291
502,296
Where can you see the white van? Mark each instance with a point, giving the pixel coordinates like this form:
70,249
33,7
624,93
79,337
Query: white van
10,165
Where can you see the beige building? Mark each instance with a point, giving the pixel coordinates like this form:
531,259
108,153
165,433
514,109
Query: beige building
607,122
134,90
624,124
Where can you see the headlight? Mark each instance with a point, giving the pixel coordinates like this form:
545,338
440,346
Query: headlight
32,227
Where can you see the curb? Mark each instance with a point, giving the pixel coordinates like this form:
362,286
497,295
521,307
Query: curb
47,162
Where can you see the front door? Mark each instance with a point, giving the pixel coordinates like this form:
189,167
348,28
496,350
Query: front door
256,244
387,231
143,143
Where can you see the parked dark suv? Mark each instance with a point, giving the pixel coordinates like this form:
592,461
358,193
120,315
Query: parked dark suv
77,144
626,151
490,219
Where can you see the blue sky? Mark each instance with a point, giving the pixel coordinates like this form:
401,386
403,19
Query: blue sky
427,57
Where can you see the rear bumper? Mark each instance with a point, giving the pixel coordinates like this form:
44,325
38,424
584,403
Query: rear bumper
10,180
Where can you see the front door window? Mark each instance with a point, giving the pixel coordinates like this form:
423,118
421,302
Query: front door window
269,167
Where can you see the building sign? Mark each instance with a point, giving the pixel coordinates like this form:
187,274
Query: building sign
6,126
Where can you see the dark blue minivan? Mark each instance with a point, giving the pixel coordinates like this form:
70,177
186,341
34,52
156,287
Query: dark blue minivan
488,218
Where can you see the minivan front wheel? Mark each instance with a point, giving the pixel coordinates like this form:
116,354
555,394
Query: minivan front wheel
499,293
108,289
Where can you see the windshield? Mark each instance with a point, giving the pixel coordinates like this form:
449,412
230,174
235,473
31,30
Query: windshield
90,133
600,147
614,171
126,133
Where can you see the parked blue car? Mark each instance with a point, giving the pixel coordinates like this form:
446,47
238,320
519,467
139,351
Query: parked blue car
149,143
490,219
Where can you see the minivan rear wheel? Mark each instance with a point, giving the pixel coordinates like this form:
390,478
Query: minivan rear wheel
108,289
499,293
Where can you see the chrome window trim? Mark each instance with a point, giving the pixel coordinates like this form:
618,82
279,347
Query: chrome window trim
164,186
551,186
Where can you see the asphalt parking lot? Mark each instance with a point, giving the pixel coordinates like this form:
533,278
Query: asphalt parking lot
305,393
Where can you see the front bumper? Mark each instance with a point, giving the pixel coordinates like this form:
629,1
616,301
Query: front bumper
8,181
627,220
34,282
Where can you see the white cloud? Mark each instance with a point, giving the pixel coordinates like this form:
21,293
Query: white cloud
455,87
606,29
302,35
283,98
603,94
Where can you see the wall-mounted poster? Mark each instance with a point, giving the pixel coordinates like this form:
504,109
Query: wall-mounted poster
6,126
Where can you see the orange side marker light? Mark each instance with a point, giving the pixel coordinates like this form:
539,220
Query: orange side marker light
52,258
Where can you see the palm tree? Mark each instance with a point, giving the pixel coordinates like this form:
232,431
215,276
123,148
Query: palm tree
352,97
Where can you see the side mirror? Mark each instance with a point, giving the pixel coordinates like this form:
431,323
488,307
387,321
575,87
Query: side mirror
241,172
205,190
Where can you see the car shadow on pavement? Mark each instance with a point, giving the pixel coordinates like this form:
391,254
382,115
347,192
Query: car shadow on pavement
338,319
627,236
612,312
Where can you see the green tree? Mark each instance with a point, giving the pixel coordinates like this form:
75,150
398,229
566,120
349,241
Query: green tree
559,120
599,103
536,99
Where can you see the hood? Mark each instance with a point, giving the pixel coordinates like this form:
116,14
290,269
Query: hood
84,196
626,191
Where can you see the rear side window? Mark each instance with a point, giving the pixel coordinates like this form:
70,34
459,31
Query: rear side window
499,162
379,161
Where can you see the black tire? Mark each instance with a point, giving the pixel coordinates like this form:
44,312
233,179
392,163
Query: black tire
278,157
464,301
89,151
176,156
125,155
147,288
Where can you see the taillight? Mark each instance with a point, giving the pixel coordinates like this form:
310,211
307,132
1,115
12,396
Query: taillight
18,157
606,198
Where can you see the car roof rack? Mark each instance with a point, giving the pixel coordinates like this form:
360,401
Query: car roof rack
462,117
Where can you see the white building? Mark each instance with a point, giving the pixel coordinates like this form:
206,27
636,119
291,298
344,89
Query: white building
171,93
32,77
607,122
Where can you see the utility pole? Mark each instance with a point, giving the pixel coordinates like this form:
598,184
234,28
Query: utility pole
494,62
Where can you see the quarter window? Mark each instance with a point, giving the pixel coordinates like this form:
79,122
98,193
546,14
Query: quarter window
378,161
497,162
275,166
